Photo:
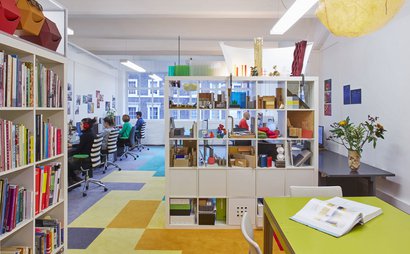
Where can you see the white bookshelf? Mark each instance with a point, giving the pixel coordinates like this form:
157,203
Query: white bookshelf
24,232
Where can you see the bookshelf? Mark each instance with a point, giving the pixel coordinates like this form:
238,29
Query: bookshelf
213,178
42,73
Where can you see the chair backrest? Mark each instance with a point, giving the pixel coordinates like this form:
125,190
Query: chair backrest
316,191
142,131
95,154
247,231
132,137
112,141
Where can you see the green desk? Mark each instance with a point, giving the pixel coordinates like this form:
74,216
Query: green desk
387,233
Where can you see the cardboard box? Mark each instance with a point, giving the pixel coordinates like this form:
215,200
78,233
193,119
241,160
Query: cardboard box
9,16
181,162
241,163
295,132
307,133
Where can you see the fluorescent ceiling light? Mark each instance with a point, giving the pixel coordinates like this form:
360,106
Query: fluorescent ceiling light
70,31
155,77
132,66
292,15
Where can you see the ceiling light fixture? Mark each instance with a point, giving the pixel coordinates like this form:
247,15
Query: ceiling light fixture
70,31
292,15
132,66
155,77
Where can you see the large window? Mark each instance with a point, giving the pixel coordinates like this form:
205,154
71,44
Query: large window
145,95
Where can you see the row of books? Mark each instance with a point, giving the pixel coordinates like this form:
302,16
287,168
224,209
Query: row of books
49,90
16,81
15,205
16,145
49,235
47,188
48,139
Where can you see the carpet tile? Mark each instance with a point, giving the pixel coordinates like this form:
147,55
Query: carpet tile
136,214
81,238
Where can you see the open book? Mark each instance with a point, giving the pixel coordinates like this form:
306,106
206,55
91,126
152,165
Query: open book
335,216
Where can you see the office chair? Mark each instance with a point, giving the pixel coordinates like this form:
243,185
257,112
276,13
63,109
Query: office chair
140,135
95,158
111,149
316,191
129,145
247,231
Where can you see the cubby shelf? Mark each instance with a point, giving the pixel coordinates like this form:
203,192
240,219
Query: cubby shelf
243,180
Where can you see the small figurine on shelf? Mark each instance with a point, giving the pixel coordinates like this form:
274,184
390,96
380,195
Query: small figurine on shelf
221,132
254,71
211,135
274,72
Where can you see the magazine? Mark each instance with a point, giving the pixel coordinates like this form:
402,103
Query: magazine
335,216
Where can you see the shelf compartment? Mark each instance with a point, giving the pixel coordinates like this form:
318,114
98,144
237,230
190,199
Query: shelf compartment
16,229
212,153
301,124
240,183
241,124
271,124
300,96
270,183
242,153
183,182
271,154
183,124
183,211
212,183
300,153
183,153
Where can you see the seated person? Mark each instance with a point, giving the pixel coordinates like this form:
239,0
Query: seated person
84,147
242,123
108,123
124,133
138,124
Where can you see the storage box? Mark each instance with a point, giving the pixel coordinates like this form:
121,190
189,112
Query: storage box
9,16
182,220
181,70
206,218
307,133
49,36
236,208
221,209
295,132
32,18
181,162
241,163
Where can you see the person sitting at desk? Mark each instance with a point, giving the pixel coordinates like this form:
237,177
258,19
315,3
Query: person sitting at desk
139,123
108,123
242,123
124,133
84,147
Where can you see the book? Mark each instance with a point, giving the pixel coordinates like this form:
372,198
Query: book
336,216
301,158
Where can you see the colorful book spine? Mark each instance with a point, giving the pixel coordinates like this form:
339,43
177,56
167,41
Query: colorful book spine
47,186
49,88
49,235
48,139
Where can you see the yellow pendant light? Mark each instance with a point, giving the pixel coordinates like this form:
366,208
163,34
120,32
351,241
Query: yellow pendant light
353,18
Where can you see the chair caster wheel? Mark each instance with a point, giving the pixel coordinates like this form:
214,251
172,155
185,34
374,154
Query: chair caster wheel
103,172
135,159
119,169
84,194
86,187
105,189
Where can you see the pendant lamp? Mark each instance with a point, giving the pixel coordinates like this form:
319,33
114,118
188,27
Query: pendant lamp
353,18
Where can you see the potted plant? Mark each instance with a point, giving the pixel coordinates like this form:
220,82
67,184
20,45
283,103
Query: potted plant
353,137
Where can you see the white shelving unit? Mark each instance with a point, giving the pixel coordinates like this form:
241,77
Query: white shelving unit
241,187
24,232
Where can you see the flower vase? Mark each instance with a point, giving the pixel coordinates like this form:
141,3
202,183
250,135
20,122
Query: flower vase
353,160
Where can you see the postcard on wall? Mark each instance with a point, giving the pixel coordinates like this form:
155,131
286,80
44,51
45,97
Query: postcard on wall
90,108
68,108
69,96
346,94
78,100
107,106
328,109
356,96
97,95
328,97
328,84
98,104
77,110
90,98
85,99
113,105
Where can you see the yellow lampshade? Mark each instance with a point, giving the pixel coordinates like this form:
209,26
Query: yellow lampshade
353,18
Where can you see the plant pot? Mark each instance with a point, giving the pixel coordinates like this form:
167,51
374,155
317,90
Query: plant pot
354,160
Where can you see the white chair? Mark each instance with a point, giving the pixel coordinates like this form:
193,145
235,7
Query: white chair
247,231
316,191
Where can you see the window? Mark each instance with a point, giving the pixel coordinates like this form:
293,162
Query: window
153,111
132,86
132,112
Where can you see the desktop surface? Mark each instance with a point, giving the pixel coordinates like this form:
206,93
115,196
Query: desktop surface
387,233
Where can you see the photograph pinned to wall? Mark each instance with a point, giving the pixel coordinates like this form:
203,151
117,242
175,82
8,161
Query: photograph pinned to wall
346,94
97,95
90,98
90,108
85,99
77,110
78,100
68,108
98,103
101,97
69,96
328,109
107,106
356,96
328,97
328,85
113,105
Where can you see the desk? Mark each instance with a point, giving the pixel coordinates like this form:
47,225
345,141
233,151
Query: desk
387,233
334,170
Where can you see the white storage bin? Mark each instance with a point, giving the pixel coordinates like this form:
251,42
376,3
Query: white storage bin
237,207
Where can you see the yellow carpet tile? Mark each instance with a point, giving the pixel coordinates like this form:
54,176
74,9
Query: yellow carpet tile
113,241
200,241
136,214
158,220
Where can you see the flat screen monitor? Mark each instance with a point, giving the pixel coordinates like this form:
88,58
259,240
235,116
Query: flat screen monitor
78,128
321,137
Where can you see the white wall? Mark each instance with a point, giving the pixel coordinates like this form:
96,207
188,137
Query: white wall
87,74
378,64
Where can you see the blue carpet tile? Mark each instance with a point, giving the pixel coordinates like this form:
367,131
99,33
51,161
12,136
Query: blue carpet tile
81,238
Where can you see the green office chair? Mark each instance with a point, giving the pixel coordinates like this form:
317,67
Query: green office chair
95,159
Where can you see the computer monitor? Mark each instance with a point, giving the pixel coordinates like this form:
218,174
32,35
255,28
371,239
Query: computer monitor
78,128
321,137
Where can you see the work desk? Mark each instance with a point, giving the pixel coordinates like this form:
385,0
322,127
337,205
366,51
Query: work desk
387,233
334,170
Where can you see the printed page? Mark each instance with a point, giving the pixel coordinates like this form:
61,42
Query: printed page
368,211
326,217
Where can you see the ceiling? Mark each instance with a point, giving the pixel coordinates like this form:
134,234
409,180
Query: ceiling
152,27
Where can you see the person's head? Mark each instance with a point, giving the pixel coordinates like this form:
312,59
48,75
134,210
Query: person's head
139,114
108,122
87,124
246,115
125,118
